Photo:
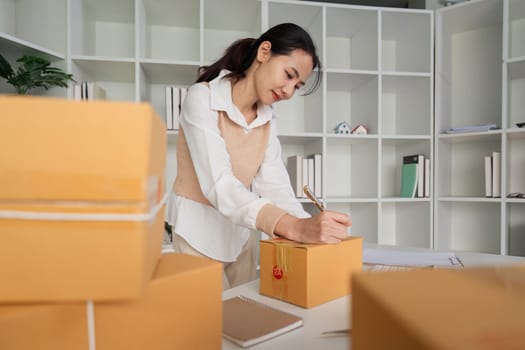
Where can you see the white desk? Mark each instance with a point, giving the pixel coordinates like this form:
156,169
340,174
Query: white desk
332,315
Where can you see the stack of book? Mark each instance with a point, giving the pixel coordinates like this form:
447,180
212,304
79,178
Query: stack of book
174,98
87,91
415,176
493,175
306,170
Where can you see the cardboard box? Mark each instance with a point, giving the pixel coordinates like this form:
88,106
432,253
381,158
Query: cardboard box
181,309
80,209
480,308
308,274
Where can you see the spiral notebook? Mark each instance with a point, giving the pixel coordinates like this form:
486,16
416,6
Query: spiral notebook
247,322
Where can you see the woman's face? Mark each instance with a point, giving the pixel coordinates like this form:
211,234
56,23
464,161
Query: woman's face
279,76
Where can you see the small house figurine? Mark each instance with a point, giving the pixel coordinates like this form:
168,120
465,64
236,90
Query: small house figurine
359,130
342,128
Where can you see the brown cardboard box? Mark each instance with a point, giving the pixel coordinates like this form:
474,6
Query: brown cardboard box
480,308
181,309
80,200
308,274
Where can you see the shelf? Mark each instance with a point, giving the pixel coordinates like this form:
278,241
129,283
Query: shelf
222,25
364,219
406,41
406,105
27,22
470,137
470,199
468,93
516,157
356,164
516,28
170,30
400,220
468,226
17,48
103,28
352,98
516,91
393,152
351,37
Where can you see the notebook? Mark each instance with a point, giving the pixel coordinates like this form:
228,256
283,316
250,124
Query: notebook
247,322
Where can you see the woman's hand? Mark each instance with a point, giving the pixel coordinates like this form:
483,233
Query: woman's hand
325,227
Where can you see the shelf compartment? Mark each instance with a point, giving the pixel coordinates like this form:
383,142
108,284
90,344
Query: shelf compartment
516,91
461,168
223,25
351,38
307,15
516,228
104,28
406,44
468,65
300,114
363,216
154,77
303,146
393,151
169,29
406,224
406,107
353,164
116,77
29,21
352,98
516,164
469,227
516,28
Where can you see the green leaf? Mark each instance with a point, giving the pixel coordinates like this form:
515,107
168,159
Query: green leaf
5,68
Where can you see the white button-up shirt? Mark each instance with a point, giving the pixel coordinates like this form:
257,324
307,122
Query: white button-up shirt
220,231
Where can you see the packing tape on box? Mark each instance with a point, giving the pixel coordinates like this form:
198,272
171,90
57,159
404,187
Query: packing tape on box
282,267
48,216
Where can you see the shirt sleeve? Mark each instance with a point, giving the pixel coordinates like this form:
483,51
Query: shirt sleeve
272,180
212,161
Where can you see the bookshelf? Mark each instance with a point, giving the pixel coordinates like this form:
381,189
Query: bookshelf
479,76
378,70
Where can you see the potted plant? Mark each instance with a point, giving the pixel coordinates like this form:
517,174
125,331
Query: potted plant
33,72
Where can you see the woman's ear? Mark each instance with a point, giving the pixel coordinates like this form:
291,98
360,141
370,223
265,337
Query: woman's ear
264,51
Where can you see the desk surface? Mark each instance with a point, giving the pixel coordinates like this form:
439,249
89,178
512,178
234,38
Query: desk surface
332,315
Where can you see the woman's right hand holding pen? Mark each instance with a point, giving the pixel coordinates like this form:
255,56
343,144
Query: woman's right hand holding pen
325,227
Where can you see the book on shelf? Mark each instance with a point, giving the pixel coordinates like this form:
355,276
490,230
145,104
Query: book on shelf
317,174
471,128
174,98
409,176
295,172
427,178
420,176
488,176
88,91
496,174
247,322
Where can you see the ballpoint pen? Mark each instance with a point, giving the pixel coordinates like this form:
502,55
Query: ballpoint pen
313,198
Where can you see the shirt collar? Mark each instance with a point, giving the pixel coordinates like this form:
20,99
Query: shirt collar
221,100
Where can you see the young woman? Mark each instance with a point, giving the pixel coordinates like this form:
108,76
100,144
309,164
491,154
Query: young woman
231,180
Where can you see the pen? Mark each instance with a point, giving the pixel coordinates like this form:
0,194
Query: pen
313,198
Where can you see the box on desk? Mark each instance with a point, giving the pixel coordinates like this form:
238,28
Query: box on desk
308,274
181,309
481,308
81,212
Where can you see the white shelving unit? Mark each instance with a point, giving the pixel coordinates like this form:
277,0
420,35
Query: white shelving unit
378,71
480,79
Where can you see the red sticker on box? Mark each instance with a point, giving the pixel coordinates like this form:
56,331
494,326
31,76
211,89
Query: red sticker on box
277,272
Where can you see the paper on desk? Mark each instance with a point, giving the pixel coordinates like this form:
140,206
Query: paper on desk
410,258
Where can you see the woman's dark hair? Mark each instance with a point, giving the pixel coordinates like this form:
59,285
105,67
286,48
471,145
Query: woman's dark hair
238,57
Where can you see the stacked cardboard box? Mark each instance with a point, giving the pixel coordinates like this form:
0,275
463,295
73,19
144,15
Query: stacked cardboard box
81,228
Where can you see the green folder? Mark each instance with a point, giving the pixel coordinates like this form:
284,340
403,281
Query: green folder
409,176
